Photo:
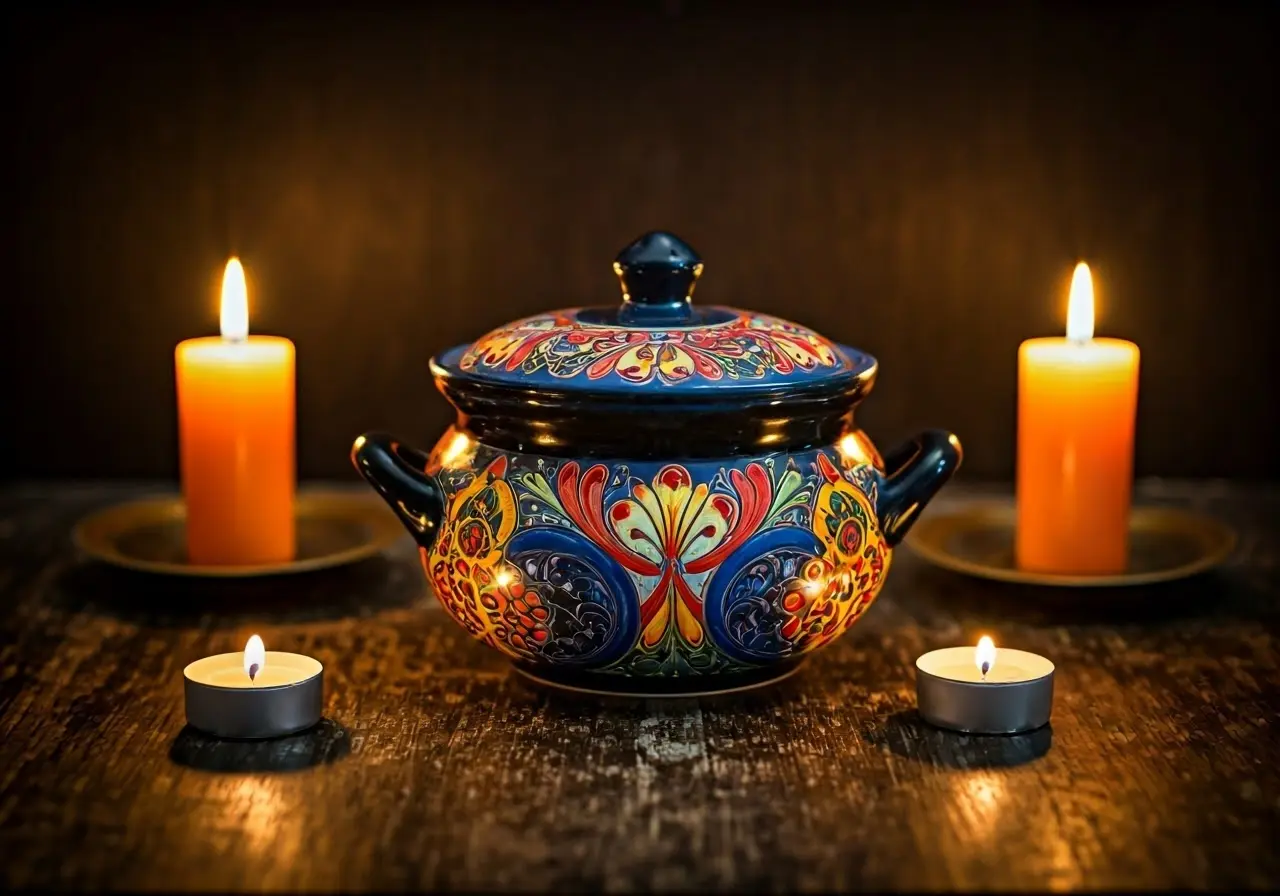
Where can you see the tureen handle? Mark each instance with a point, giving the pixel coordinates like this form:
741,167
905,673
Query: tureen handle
398,473
658,272
913,474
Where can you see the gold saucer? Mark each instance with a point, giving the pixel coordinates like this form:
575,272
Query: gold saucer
334,528
1165,544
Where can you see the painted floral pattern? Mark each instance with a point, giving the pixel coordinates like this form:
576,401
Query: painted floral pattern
464,563
851,569
747,347
666,569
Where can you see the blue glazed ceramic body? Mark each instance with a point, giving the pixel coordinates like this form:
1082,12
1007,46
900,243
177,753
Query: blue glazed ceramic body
656,493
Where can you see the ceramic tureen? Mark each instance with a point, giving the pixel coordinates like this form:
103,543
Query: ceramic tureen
656,497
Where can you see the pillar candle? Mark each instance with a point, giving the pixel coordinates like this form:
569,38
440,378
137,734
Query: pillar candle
1077,399
236,439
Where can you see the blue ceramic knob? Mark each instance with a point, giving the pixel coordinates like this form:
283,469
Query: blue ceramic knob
658,272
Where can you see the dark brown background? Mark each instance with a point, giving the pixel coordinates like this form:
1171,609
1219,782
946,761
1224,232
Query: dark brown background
915,179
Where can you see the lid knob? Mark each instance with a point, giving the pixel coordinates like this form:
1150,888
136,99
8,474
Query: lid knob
658,272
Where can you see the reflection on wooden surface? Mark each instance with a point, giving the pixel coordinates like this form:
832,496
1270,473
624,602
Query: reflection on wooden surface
439,768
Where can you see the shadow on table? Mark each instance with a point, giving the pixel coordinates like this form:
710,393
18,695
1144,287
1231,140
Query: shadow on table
325,743
903,734
906,734
361,589
762,699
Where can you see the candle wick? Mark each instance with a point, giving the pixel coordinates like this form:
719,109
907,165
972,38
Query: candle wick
253,671
986,667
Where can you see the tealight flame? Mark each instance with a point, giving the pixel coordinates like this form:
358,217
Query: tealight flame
255,657
1080,305
235,303
985,656
504,578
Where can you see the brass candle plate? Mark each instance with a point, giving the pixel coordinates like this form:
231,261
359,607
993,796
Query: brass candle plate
1165,544
334,528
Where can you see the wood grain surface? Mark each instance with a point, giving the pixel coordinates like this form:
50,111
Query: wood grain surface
438,768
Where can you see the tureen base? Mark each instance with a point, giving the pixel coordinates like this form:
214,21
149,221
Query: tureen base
621,686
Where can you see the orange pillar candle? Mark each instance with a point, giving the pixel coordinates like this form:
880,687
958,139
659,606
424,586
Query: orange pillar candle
236,439
1077,398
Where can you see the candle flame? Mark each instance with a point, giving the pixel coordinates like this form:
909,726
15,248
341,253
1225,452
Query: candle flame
235,302
1080,305
985,655
255,657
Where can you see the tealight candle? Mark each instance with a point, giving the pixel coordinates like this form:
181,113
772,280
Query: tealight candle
254,695
974,691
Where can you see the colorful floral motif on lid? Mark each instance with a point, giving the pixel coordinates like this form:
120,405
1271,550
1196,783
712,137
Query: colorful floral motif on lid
745,347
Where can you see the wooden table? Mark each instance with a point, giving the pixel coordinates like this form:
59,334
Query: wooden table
437,768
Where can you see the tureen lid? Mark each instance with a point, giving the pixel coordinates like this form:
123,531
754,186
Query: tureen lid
657,342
